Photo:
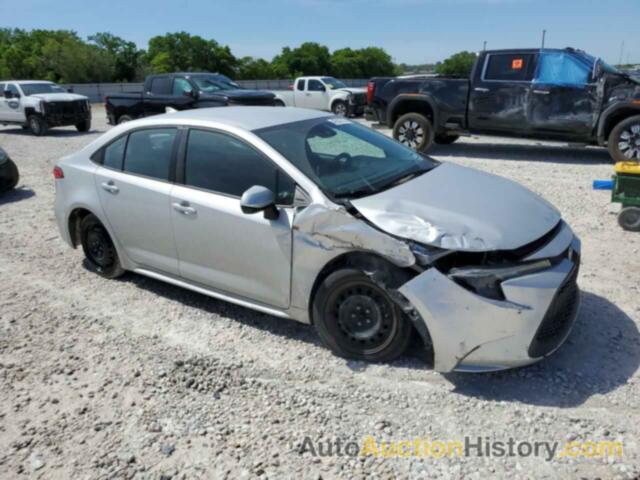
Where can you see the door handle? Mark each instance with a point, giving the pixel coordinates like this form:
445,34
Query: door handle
184,208
308,94
481,89
110,187
541,92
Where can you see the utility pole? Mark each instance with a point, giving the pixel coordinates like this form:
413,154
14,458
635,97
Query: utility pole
544,34
484,46
621,52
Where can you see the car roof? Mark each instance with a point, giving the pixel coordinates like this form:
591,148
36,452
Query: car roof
246,118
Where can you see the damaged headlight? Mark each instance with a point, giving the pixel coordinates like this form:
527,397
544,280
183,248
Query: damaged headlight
426,255
485,281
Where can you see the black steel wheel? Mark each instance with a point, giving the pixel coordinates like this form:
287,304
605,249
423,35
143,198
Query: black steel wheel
99,248
357,319
624,140
629,219
415,131
9,175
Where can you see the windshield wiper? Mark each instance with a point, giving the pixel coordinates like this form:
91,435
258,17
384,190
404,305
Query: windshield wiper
403,179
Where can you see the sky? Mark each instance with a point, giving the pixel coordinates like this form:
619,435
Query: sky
411,31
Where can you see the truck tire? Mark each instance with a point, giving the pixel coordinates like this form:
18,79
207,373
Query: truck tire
37,125
10,177
446,139
414,131
624,140
124,119
278,103
629,219
84,126
339,108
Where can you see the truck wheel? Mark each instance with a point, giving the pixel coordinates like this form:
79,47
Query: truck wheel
357,319
37,125
415,131
339,108
624,140
84,126
629,219
446,139
278,103
124,119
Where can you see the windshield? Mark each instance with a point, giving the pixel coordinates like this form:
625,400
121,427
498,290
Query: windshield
345,159
211,84
36,88
333,83
590,60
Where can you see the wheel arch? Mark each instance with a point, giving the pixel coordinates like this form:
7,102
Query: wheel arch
412,103
337,98
614,115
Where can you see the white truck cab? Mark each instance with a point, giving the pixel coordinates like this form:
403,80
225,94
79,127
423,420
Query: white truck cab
38,105
323,93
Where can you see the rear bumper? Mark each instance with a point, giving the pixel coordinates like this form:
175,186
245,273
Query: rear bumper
473,333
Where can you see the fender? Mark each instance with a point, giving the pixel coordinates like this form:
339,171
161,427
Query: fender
413,97
342,96
611,112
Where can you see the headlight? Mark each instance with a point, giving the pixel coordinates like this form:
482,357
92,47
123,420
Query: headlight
485,281
426,254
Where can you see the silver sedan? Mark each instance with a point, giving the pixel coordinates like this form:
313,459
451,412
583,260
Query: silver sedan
303,215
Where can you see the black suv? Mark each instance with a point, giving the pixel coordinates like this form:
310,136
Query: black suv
551,94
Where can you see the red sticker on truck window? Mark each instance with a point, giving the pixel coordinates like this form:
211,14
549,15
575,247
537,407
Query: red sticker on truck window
516,64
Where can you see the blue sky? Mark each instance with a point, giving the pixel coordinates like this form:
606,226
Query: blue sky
412,31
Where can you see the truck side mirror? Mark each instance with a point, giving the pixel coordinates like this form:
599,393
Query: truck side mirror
259,199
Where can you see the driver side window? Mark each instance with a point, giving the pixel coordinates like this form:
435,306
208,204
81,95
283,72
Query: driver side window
181,86
315,86
560,68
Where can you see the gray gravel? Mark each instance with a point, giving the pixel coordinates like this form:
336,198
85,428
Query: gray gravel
138,379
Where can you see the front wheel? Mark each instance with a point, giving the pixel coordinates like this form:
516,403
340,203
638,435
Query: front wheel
37,125
624,140
99,248
629,219
339,108
278,103
415,131
357,319
84,126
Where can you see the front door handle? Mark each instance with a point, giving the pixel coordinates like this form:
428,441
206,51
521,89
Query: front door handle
481,89
184,208
541,92
110,187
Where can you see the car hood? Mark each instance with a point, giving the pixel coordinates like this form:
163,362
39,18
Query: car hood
459,208
353,90
59,97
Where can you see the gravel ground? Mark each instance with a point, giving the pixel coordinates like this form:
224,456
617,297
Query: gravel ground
138,379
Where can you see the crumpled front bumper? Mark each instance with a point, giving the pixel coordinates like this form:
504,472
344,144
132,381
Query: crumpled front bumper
473,333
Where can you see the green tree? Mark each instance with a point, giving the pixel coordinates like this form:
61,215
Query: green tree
460,64
250,68
126,57
345,63
310,58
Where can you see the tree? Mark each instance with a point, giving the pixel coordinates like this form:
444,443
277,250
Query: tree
182,51
310,58
126,56
250,68
345,63
460,64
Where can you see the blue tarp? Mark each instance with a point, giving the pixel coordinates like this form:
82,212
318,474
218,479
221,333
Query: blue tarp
560,68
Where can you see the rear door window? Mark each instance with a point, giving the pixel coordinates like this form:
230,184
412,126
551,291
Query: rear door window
510,67
161,85
149,152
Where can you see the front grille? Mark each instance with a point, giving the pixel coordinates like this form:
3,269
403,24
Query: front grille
559,317
66,109
359,98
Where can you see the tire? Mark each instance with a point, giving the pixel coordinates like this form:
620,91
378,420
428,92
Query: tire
629,219
414,131
37,125
624,140
125,119
84,126
9,176
99,249
355,318
278,103
339,108
446,139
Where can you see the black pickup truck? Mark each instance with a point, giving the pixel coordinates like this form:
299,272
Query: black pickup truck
553,94
181,91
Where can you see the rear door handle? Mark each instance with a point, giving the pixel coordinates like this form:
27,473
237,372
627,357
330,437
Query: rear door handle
184,208
481,89
541,92
110,187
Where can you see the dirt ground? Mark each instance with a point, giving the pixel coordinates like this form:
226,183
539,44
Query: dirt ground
139,379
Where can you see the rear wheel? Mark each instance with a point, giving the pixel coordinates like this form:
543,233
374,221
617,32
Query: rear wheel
37,125
84,126
99,248
446,139
629,219
9,176
624,140
357,319
124,119
339,108
278,103
415,131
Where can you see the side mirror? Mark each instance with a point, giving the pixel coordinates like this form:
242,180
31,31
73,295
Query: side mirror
322,88
8,94
70,90
259,199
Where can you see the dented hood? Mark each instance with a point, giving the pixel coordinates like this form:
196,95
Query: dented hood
455,207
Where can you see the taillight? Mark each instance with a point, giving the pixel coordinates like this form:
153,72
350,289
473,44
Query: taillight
58,173
371,88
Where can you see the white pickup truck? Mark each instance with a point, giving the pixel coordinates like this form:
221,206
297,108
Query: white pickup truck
323,93
37,105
